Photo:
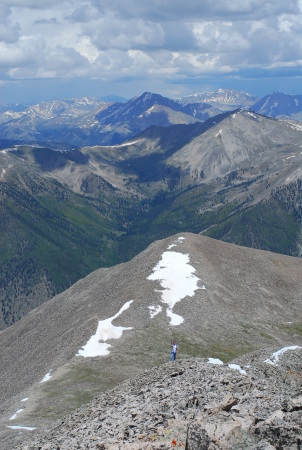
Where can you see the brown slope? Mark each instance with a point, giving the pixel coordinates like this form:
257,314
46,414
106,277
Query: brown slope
249,300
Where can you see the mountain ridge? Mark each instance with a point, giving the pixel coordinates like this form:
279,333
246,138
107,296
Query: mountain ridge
193,404
245,299
92,121
280,105
210,177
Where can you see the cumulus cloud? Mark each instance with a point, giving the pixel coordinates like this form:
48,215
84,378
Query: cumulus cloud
9,31
158,38
112,32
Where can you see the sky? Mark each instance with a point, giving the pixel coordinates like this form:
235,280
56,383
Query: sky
55,49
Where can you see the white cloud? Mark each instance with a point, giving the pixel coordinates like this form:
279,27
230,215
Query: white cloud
110,32
151,40
9,31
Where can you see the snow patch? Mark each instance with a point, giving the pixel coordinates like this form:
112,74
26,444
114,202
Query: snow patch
24,399
295,126
20,427
180,239
150,109
274,359
252,115
177,280
105,331
46,378
154,310
289,157
126,144
215,361
237,367
16,413
218,134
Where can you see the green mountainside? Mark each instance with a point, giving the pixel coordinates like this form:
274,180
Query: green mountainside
50,237
64,214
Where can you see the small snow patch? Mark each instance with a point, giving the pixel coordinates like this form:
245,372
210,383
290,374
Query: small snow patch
237,367
20,427
252,115
154,310
105,331
274,359
46,378
126,144
289,157
218,134
171,246
150,110
24,399
215,361
16,413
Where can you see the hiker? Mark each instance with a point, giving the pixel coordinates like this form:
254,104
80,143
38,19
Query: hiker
174,348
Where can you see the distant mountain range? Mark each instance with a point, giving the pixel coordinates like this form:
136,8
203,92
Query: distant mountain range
223,99
90,122
235,177
93,121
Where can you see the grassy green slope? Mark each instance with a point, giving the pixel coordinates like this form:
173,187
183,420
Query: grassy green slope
267,226
49,239
270,225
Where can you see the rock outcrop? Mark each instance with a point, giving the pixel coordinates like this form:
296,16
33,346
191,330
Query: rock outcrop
254,403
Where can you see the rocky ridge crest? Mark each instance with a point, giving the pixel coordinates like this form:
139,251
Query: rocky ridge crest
254,403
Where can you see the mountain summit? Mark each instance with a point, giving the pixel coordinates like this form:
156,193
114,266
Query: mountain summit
279,104
223,99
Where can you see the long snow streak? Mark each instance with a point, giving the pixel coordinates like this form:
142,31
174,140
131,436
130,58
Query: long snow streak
176,277
15,415
274,359
105,331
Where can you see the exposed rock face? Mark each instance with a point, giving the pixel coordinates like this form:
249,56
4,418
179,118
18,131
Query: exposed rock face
193,405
